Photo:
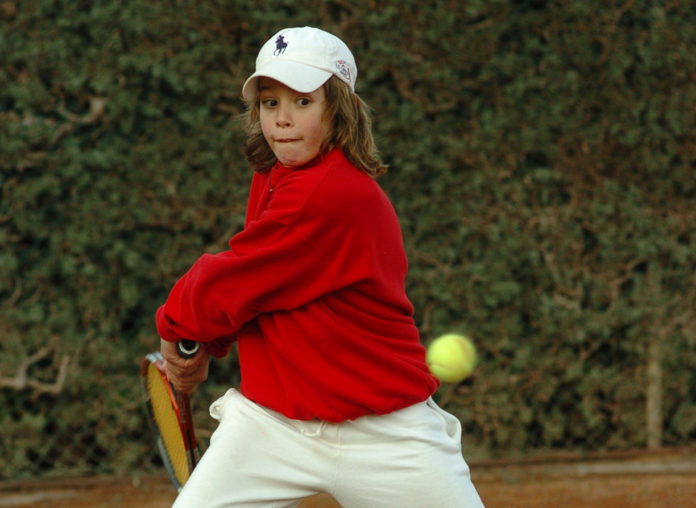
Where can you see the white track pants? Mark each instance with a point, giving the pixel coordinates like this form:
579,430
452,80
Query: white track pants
259,458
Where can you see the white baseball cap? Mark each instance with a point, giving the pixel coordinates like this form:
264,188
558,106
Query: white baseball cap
302,59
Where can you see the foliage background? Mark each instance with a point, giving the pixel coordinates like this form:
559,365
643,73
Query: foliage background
543,165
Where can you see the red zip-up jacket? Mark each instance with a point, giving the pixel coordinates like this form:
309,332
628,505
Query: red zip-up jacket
313,292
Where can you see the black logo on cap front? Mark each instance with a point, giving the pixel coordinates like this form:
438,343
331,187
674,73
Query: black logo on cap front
280,46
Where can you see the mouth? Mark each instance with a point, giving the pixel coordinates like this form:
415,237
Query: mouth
286,140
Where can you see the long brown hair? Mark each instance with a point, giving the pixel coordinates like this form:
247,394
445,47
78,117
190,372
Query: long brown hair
351,131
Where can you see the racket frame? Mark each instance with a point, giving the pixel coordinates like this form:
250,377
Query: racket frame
182,408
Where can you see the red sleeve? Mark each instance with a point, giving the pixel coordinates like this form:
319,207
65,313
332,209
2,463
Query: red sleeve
269,267
221,292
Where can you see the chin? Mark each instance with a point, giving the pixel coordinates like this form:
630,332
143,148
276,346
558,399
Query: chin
291,163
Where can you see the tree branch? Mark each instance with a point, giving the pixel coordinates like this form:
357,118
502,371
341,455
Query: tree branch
22,381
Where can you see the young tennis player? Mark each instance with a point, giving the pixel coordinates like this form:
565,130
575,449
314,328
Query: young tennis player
335,393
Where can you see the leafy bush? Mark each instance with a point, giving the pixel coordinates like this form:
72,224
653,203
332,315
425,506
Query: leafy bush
542,161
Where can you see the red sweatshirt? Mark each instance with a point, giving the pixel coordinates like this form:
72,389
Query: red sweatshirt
313,292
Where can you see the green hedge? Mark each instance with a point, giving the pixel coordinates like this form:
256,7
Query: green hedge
543,165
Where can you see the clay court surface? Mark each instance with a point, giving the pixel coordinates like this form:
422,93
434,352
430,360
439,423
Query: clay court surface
661,479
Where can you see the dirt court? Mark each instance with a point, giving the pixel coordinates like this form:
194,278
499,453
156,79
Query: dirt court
659,479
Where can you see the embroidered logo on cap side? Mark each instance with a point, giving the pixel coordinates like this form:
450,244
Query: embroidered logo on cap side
280,46
343,69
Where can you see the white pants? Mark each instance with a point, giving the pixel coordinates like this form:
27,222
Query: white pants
259,458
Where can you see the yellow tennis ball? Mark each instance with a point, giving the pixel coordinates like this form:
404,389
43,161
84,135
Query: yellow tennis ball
451,357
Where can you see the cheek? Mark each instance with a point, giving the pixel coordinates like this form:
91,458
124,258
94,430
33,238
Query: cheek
322,132
264,122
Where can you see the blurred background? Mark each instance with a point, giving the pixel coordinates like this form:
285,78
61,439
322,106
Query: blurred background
543,164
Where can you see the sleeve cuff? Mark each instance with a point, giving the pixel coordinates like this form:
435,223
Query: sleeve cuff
164,327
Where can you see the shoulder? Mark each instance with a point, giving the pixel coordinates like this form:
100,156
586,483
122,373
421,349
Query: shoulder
347,187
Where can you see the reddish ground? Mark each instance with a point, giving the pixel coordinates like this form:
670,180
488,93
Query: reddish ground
664,479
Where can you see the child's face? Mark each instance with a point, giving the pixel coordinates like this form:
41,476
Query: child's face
293,123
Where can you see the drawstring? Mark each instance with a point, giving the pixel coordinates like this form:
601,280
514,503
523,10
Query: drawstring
318,432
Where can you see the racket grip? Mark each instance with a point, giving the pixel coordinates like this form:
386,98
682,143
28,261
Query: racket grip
187,348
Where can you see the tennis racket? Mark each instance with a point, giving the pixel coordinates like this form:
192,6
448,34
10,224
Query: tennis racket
170,415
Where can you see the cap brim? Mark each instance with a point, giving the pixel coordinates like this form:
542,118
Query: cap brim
300,77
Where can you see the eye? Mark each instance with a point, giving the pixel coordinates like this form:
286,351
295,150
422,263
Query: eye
269,103
303,101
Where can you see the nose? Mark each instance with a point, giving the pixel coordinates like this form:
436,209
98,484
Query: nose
284,116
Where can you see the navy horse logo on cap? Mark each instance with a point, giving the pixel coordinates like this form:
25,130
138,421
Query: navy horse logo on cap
280,46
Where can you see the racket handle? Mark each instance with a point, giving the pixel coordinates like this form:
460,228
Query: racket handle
187,348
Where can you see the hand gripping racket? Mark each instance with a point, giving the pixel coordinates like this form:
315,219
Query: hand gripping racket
170,415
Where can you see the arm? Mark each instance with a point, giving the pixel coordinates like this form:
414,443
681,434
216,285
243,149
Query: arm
268,267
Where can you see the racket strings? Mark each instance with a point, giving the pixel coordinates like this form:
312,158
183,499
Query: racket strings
167,423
